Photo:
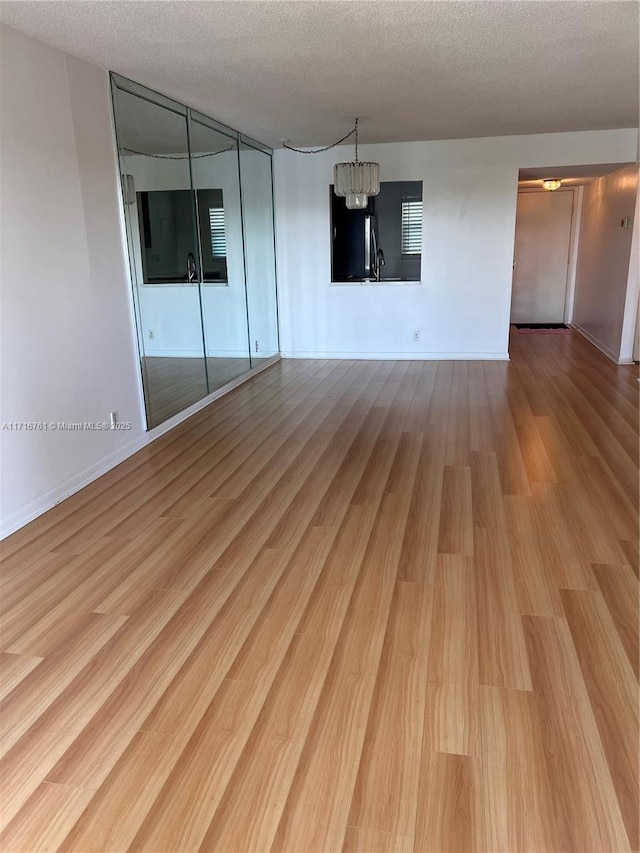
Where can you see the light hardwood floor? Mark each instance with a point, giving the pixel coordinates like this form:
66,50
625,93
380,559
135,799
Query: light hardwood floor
361,606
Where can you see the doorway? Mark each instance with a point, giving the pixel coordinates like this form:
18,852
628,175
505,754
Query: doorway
542,257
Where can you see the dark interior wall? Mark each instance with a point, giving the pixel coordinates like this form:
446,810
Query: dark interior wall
166,227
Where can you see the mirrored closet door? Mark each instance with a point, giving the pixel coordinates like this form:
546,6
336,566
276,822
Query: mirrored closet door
198,210
163,252
214,165
257,208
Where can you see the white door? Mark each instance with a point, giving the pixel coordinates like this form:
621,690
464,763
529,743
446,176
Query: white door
541,257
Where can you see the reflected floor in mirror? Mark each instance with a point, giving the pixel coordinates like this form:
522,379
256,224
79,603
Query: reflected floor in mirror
173,384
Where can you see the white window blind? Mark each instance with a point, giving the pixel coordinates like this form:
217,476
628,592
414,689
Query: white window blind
218,238
411,227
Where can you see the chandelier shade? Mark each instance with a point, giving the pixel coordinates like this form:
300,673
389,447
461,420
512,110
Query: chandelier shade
356,181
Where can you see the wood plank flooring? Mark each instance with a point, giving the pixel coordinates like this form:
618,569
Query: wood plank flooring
359,606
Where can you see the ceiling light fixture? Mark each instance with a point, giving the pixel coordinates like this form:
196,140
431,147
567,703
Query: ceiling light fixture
355,181
552,184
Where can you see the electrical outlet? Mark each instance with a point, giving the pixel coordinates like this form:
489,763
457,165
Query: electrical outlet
257,346
113,417
415,337
152,334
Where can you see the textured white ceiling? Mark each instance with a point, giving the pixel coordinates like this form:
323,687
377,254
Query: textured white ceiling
302,69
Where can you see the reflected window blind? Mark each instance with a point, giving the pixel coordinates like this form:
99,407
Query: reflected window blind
218,239
411,227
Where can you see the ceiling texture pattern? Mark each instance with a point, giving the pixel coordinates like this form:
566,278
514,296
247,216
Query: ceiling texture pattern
302,70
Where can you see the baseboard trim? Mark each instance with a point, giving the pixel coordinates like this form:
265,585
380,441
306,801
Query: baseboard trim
10,523
60,493
610,354
402,356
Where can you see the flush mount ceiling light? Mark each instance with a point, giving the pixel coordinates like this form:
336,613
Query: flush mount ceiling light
355,181
552,184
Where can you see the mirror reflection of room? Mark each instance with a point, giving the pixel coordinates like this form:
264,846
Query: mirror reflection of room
163,251
216,183
165,242
202,261
257,210
382,242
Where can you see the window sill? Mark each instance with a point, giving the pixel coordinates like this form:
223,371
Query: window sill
372,283
148,284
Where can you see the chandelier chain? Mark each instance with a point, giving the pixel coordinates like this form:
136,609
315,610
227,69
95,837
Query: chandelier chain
174,156
326,147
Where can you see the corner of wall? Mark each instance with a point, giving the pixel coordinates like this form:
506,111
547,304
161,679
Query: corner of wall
628,338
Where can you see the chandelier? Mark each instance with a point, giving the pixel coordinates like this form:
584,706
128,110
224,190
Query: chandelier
355,181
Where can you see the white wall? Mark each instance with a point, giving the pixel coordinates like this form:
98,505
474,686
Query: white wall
462,306
630,340
68,348
604,249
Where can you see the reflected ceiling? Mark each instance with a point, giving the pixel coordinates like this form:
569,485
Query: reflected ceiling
148,128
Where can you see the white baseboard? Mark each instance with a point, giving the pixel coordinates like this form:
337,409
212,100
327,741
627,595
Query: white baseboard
598,344
402,356
14,521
